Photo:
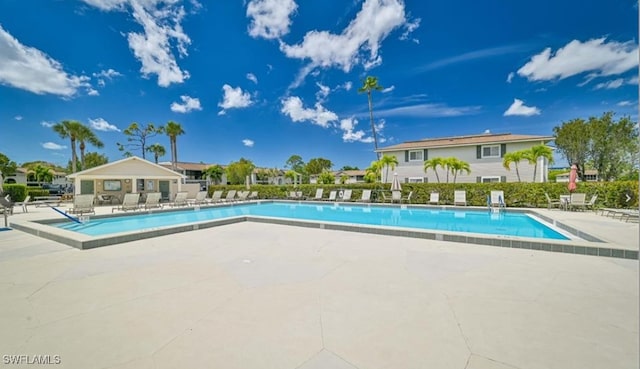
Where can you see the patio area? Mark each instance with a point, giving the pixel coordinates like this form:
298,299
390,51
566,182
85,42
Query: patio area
252,295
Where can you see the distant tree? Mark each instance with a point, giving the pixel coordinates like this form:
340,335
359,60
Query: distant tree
41,173
514,157
84,135
239,170
536,152
173,130
318,165
70,129
214,173
572,140
93,159
7,166
137,138
295,163
326,177
613,148
157,150
458,166
273,174
433,164
262,175
344,178
388,162
371,84
348,167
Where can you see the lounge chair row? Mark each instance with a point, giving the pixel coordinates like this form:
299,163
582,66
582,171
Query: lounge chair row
460,197
575,201
625,214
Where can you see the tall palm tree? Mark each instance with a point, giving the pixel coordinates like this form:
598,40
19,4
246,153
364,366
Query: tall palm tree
373,172
157,150
456,166
69,129
173,130
85,134
371,84
388,161
433,164
514,157
535,152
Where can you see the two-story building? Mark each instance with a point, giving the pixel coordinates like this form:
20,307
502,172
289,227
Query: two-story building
483,152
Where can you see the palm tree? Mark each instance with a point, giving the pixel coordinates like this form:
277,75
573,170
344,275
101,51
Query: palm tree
157,150
173,130
42,173
69,129
388,161
373,172
456,166
85,134
514,157
535,152
214,173
371,84
434,164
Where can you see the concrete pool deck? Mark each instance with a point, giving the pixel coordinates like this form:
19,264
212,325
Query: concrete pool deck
253,295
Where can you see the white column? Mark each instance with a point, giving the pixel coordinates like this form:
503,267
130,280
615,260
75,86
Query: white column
134,185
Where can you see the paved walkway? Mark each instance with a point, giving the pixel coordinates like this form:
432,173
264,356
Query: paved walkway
252,295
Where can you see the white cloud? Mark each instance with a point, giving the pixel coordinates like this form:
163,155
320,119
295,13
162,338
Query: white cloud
518,108
294,108
47,124
30,69
99,124
234,98
357,44
597,56
188,104
409,27
349,134
616,83
106,74
18,117
270,19
93,92
247,142
626,103
388,89
347,85
427,110
252,77
323,92
510,77
162,32
53,146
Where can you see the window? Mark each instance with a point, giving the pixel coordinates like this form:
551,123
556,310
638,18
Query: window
415,155
112,185
416,180
140,185
492,151
490,179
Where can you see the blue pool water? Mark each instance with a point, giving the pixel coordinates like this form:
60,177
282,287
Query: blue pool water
507,224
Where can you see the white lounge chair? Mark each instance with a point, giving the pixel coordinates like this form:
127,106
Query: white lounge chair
23,204
217,197
82,204
201,198
346,195
319,193
460,198
497,199
366,196
130,202
242,195
332,196
434,198
578,201
253,195
180,200
153,201
408,198
231,196
552,203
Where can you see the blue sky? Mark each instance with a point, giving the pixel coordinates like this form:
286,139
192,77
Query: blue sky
266,79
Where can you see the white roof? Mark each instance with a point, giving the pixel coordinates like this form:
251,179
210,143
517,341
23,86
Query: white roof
133,167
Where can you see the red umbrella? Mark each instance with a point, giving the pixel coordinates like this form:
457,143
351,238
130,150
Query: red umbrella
573,176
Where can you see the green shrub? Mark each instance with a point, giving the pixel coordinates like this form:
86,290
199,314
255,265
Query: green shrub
516,194
18,192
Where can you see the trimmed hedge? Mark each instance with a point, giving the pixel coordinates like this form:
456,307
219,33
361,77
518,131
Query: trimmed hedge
517,194
19,192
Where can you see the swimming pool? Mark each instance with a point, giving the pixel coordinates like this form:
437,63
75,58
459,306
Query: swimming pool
466,221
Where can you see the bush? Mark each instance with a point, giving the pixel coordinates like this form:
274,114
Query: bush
516,194
18,192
